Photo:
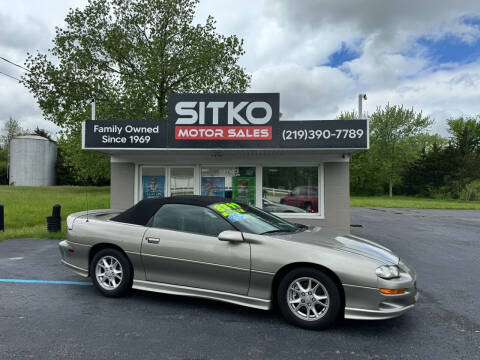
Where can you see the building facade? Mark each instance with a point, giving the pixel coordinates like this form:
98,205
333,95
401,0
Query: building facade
234,146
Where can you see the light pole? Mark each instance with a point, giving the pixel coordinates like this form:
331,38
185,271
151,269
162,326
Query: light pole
93,108
361,97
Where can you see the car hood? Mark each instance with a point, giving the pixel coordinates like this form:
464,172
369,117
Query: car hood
343,242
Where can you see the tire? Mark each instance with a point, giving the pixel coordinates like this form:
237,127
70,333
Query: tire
328,309
308,206
118,282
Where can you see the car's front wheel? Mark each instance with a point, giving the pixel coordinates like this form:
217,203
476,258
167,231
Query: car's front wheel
111,272
309,298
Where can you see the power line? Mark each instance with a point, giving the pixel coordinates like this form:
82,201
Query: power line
11,62
10,76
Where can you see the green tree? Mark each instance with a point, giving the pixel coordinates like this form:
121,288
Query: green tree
449,169
11,128
129,55
428,175
465,134
365,177
88,168
392,130
465,139
43,133
347,115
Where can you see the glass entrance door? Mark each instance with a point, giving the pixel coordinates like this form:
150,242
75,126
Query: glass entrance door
182,181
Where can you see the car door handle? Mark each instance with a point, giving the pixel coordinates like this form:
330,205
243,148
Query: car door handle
153,240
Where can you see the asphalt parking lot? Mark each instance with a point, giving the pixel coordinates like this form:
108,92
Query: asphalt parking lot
72,321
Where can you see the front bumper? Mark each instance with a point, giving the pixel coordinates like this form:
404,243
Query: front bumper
387,306
366,303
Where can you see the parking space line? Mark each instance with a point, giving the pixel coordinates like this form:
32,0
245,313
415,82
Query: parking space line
45,282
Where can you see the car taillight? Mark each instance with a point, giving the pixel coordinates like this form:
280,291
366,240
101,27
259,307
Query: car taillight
70,220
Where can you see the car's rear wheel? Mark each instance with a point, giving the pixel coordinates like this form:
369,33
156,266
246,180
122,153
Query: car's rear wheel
309,298
111,272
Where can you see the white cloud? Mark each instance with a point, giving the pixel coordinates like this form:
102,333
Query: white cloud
371,16
383,66
22,106
31,29
288,44
440,94
304,93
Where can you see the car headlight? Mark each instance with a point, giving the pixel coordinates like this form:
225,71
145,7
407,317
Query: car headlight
388,271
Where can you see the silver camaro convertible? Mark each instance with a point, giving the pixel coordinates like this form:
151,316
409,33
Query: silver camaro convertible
220,249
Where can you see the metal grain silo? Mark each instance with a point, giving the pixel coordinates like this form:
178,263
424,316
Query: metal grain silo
32,161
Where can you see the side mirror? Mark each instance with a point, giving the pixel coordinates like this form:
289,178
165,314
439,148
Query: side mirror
290,193
229,235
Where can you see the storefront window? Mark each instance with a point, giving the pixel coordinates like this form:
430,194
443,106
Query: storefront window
290,189
153,182
237,183
181,181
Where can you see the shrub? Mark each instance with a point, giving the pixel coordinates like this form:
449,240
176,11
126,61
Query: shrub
471,191
3,173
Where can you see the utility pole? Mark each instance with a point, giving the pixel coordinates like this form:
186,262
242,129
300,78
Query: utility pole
361,97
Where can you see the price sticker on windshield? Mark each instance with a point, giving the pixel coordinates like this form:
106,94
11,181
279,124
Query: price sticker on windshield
226,209
235,217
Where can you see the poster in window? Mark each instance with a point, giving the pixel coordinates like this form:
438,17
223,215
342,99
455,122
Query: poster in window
244,189
213,186
153,187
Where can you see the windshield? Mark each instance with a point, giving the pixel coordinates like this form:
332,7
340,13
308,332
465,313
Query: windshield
253,220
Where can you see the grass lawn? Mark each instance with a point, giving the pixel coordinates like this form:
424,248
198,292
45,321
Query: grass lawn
412,202
26,208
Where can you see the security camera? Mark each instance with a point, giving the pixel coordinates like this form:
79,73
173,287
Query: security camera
364,96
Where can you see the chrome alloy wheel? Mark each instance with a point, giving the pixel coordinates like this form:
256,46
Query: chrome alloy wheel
308,299
109,272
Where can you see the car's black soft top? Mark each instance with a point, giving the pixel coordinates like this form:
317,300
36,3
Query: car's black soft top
143,211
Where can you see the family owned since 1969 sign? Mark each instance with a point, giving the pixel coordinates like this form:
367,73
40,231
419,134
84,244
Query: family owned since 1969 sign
228,121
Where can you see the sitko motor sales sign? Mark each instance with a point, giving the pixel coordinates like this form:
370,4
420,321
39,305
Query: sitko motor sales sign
224,116
225,121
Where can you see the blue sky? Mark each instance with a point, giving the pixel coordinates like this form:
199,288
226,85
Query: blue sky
450,49
341,56
447,49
